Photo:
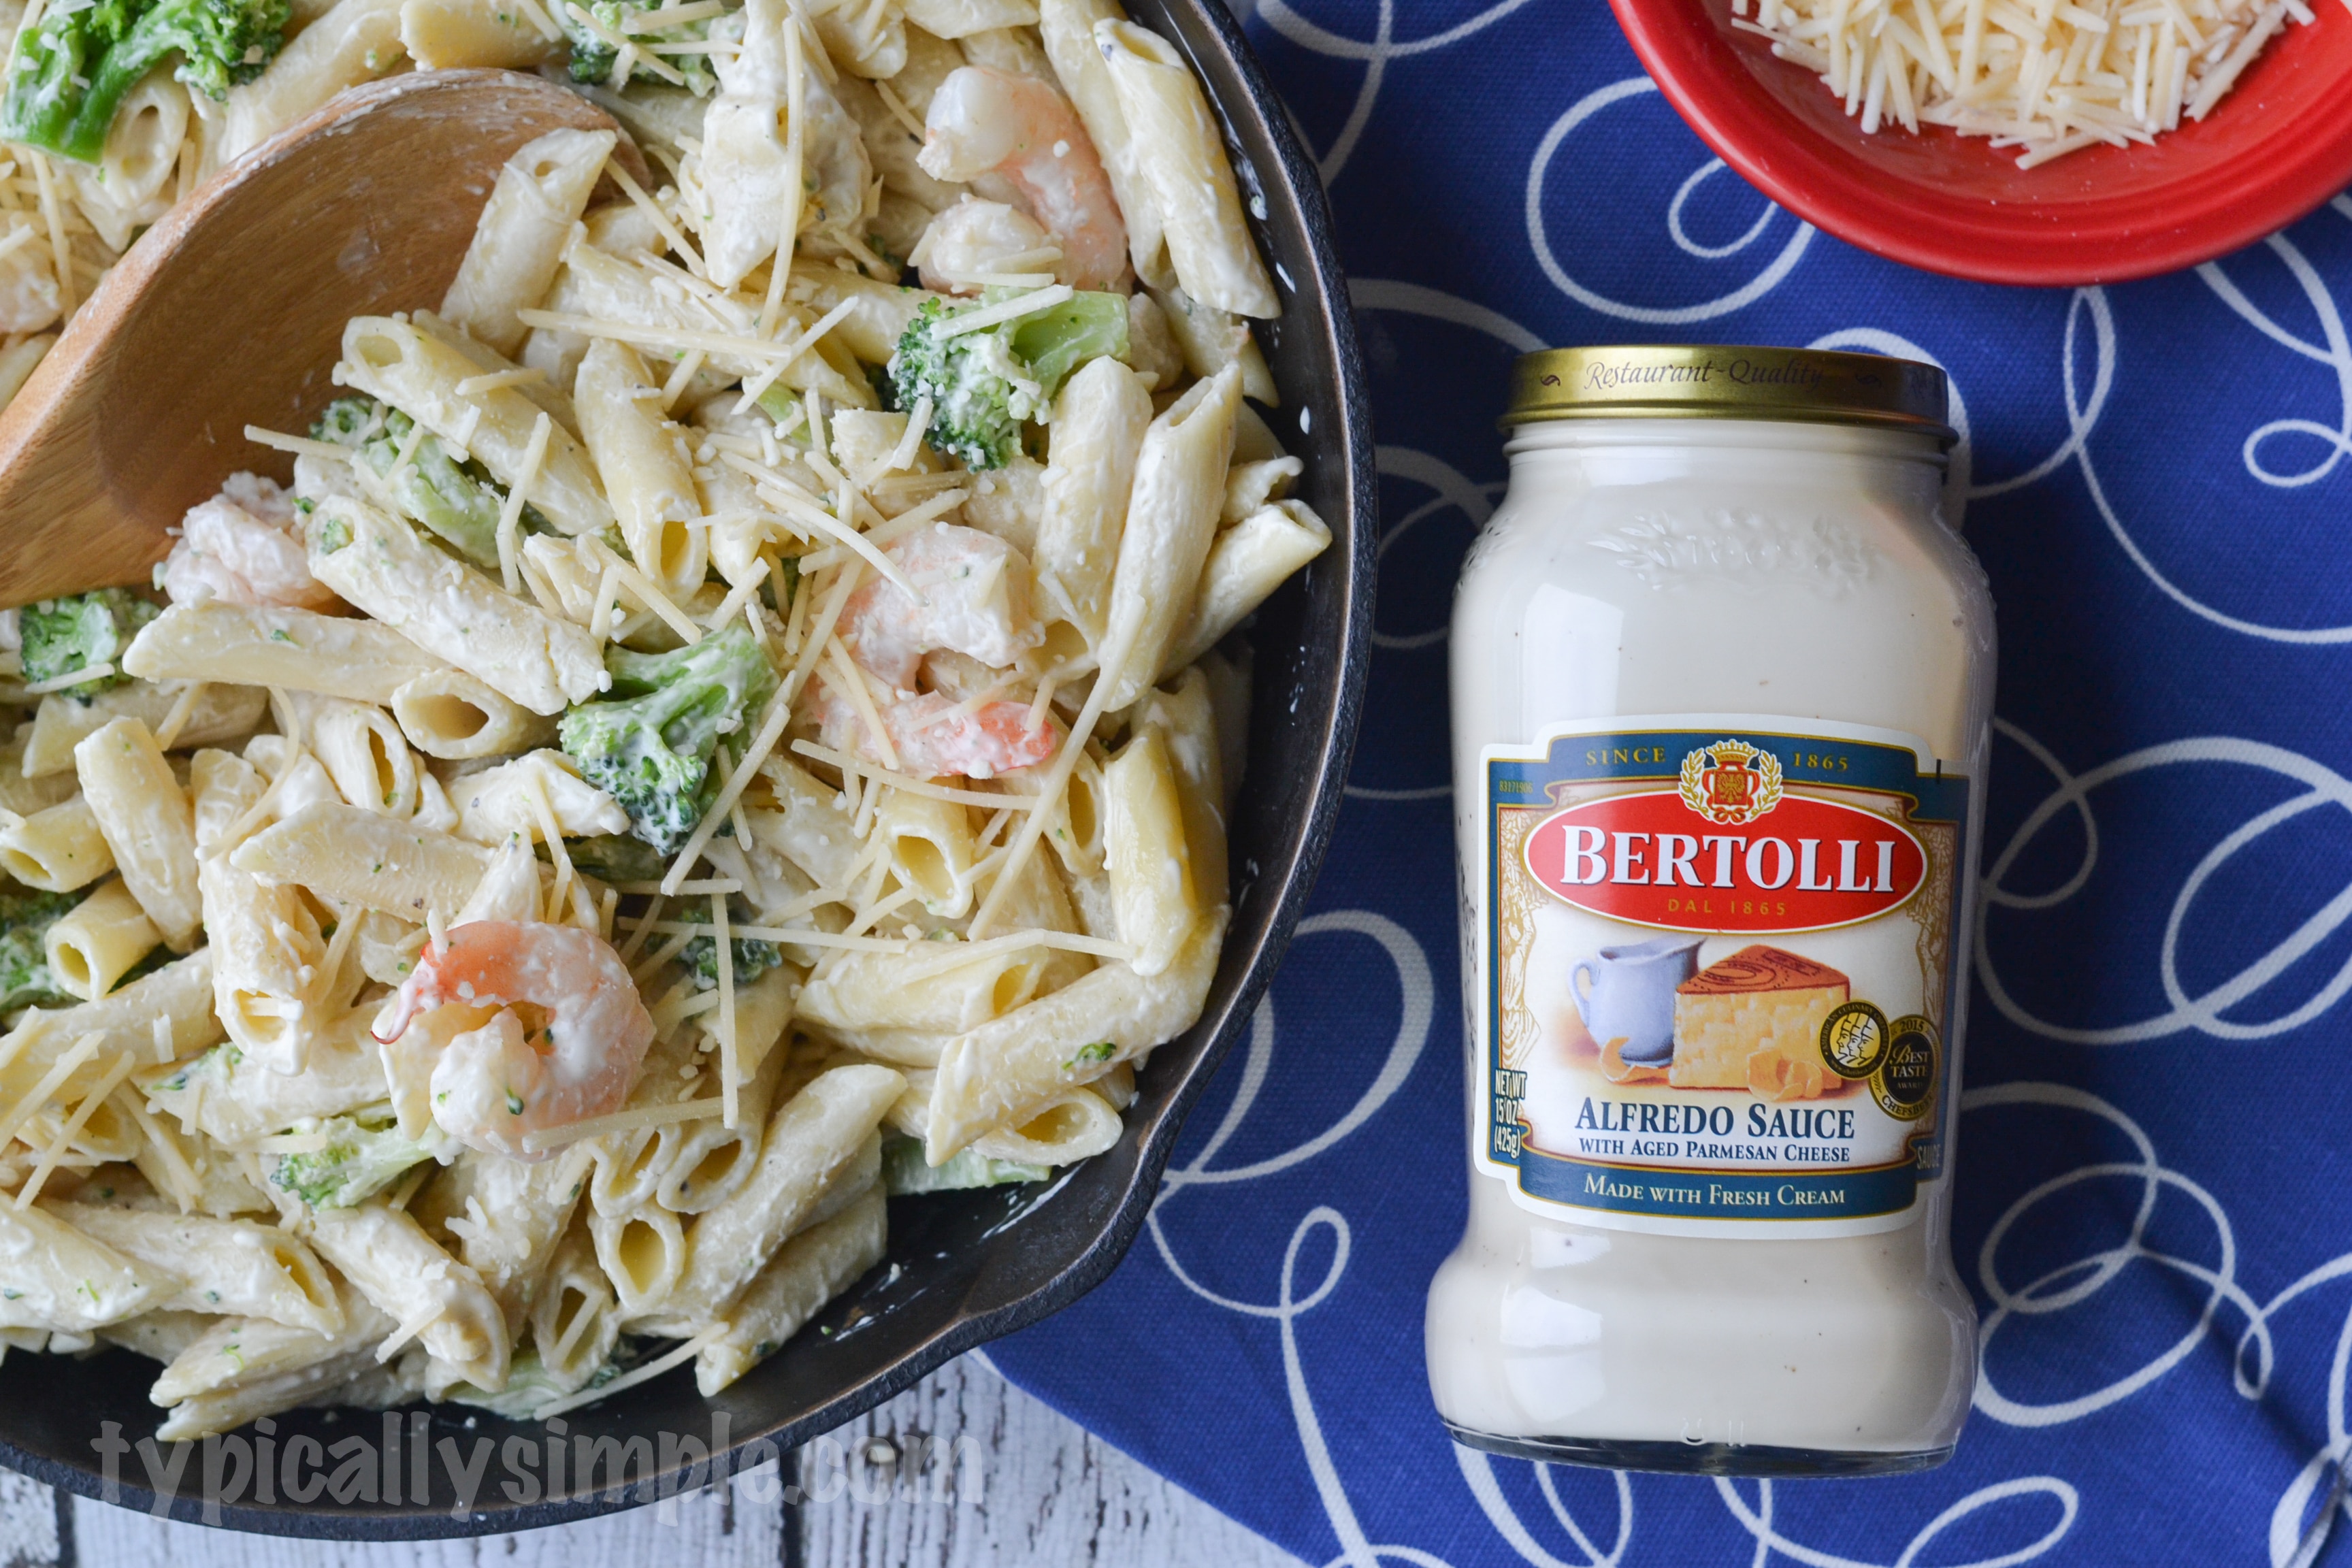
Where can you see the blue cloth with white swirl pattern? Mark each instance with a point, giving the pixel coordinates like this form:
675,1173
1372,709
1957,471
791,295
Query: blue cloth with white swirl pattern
2153,1210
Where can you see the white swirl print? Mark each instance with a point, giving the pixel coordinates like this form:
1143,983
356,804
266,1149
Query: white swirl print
2203,1012
2268,451
1588,109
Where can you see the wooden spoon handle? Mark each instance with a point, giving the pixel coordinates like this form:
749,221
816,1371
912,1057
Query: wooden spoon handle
231,310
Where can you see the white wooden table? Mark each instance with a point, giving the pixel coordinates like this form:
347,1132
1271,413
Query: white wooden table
1025,1487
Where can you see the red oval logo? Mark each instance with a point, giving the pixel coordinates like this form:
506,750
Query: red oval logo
1800,864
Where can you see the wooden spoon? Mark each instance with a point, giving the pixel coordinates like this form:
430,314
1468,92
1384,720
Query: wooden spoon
230,311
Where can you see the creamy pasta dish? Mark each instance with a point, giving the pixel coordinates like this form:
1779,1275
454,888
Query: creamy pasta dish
733,718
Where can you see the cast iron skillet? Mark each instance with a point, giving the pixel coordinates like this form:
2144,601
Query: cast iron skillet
964,1267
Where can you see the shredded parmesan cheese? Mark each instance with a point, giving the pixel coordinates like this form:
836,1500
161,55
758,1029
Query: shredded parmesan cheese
724,948
58,1145
70,680
1004,310
475,386
2048,78
850,764
176,719
511,513
646,590
619,1121
38,1095
652,1369
300,446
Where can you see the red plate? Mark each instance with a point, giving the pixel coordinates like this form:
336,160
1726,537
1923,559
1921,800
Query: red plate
2276,147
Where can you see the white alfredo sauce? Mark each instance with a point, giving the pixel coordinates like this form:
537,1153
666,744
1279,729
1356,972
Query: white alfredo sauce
1722,686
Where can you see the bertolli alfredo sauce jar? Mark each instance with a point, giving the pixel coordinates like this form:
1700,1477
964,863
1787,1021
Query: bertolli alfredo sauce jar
1722,688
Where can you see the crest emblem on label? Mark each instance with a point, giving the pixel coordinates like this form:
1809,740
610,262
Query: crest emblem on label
1730,782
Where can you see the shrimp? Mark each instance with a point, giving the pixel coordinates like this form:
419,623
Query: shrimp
935,736
537,1027
975,600
1015,138
243,547
974,239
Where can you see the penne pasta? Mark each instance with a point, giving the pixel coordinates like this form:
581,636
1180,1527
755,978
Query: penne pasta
1068,30
1099,431
1002,1073
809,1270
389,1260
376,562
1149,863
258,645
264,940
520,238
235,1099
98,941
508,1217
451,715
225,1266
447,35
220,713
645,463
961,18
364,857
363,750
148,823
643,1253
1171,521
1181,157
1209,339
66,1282
1246,565
815,1140
574,1319
57,849
170,1009
355,41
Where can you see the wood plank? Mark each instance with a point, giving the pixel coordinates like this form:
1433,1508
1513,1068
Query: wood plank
706,1530
28,1522
967,1471
963,1471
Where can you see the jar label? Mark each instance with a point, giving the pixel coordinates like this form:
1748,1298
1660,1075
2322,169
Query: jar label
1717,986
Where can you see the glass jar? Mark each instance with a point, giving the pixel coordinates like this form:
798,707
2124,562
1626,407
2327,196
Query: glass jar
1722,691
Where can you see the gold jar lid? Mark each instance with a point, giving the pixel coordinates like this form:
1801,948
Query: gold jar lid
1710,380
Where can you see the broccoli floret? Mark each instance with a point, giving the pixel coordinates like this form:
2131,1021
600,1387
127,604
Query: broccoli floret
359,1160
982,384
649,745
904,1170
593,59
753,958
72,72
62,636
1056,342
456,501
25,921
616,857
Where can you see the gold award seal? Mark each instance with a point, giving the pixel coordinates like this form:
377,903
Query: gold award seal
1854,1039
1905,1083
